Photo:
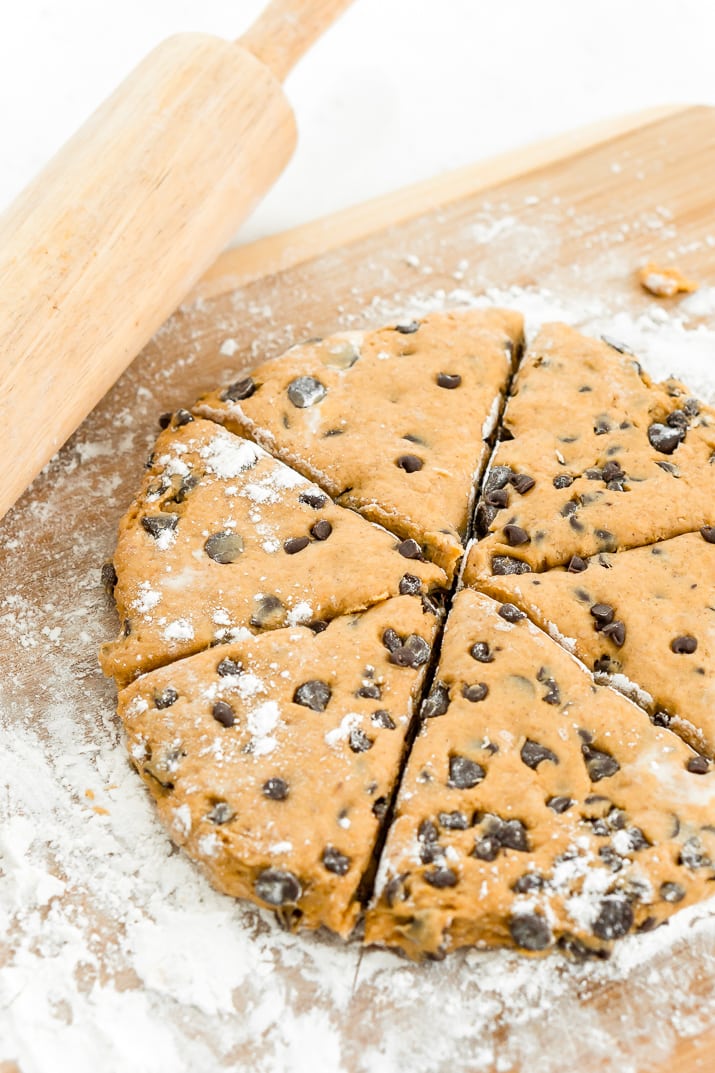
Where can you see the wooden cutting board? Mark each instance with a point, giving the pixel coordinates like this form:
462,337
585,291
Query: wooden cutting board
575,215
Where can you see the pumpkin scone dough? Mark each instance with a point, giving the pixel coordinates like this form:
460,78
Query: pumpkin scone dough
644,619
391,422
537,808
222,538
272,760
598,458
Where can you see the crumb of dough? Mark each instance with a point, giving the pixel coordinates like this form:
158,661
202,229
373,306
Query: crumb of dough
665,282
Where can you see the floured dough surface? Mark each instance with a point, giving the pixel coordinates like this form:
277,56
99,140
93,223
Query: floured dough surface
537,808
223,539
597,458
272,760
391,422
644,616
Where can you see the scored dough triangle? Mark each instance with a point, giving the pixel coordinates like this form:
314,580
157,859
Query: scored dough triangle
223,539
537,808
598,459
273,759
645,618
391,422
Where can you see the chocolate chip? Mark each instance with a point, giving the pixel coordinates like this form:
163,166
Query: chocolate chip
532,754
576,565
560,804
391,640
505,564
410,549
305,391
616,345
269,613
612,472
239,389
415,652
165,419
672,892
441,878
464,773
188,483
228,667
602,426
156,524
510,613
220,813
708,533
382,718
476,692
516,536
552,695
276,789
379,807
698,765
223,713
182,417
663,438
615,918
692,856
530,931
321,530
166,698
277,887
513,836
599,765
678,419
453,821
407,329
498,497
683,646
562,481
522,483
480,652
316,501
603,614
410,585
437,702
224,547
359,741
370,690
449,380
528,882
295,544
335,861
668,467
410,463
485,516
487,848
108,578
314,694
616,631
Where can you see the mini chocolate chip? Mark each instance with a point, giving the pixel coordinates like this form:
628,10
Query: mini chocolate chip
223,713
407,329
410,549
522,483
165,419
335,861
683,646
277,887
449,380
437,702
313,694
593,474
166,698
228,667
480,651
484,517
599,765
453,821
672,892
498,497
516,536
220,813
552,695
708,533
415,652
391,640
317,502
528,882
513,836
156,524
379,807
602,426
612,472
305,391
603,614
427,831
182,417
276,789
506,564
382,718
410,463
663,438
370,690
530,931
295,544
698,765
576,565
510,613
560,804
441,877
410,585
476,692
532,754
677,419
562,481
224,547
108,578
615,918
239,389
487,848
616,631
359,741
269,613
464,773
321,530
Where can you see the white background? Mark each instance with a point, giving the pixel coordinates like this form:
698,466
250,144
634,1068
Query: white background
397,91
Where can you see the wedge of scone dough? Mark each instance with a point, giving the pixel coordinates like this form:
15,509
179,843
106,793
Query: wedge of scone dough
272,760
223,539
391,422
538,809
597,458
644,618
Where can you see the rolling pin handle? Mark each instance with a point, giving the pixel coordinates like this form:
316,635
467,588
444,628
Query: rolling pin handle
287,29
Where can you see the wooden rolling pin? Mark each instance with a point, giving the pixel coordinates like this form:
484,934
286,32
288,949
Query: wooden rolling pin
103,245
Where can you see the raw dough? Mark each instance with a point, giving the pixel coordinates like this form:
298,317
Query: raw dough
391,422
537,808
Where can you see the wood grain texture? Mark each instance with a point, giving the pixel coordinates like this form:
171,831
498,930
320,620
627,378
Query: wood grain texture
577,223
287,29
